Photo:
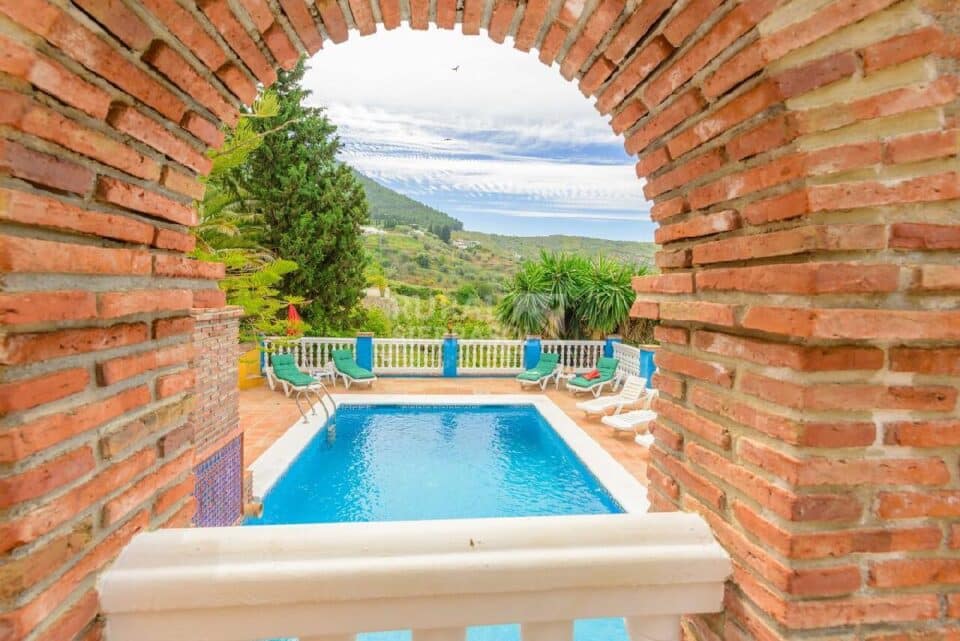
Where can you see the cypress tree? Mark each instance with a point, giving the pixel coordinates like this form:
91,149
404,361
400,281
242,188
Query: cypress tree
312,204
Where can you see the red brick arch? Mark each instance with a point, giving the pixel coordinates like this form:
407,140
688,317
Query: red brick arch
802,156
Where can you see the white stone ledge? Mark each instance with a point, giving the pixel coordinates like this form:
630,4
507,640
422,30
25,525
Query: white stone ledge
239,584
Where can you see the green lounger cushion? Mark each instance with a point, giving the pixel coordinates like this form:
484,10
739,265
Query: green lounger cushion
607,367
544,367
343,361
530,375
285,368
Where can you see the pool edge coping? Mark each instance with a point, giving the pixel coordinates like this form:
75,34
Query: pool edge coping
622,486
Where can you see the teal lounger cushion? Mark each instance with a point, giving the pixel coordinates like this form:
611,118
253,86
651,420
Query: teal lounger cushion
607,367
530,375
343,361
285,368
544,367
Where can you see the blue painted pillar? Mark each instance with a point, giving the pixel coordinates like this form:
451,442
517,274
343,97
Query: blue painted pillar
450,349
364,352
608,344
531,352
647,366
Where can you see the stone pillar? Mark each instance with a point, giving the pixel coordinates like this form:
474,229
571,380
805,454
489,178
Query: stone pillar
648,368
532,348
364,350
215,419
450,353
810,323
608,344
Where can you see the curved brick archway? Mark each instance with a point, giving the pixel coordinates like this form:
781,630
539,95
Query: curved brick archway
803,160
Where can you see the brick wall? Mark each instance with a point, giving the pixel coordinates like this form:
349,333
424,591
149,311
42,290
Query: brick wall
802,156
215,419
810,326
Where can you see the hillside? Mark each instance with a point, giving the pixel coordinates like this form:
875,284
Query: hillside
526,248
389,208
414,257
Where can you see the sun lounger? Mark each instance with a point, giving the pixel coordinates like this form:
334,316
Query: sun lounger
347,369
633,390
542,373
607,367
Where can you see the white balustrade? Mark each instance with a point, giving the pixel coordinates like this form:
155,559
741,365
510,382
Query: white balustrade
580,355
333,581
474,356
629,357
407,356
311,352
497,356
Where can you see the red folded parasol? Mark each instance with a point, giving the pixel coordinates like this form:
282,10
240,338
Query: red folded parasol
293,319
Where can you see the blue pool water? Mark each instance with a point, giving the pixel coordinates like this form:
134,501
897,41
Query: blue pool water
396,463
393,462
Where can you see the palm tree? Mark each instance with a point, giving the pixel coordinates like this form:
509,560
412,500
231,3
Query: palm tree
526,307
604,301
564,276
567,296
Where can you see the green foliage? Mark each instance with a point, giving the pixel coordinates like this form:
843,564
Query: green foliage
568,296
443,232
526,307
404,289
311,205
520,248
360,319
434,317
604,300
486,292
390,209
378,280
231,231
465,294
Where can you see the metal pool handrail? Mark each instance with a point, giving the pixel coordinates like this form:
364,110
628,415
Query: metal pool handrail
434,577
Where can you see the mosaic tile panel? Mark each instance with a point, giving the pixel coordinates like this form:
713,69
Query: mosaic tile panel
219,489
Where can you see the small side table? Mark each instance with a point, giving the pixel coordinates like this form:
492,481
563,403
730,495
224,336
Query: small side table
565,376
327,371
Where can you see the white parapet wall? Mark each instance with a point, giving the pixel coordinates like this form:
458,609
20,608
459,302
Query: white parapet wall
434,577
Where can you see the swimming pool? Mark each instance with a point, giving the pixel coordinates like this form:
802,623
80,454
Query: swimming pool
388,458
407,463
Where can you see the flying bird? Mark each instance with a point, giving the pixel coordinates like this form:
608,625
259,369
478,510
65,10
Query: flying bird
457,68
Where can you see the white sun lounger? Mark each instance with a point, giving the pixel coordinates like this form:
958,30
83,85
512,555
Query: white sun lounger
629,421
635,420
633,390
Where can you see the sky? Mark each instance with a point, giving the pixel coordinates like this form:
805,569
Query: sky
504,143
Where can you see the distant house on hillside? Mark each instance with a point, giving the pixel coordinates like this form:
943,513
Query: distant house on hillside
371,231
465,244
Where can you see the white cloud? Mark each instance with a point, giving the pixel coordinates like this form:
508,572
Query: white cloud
504,135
